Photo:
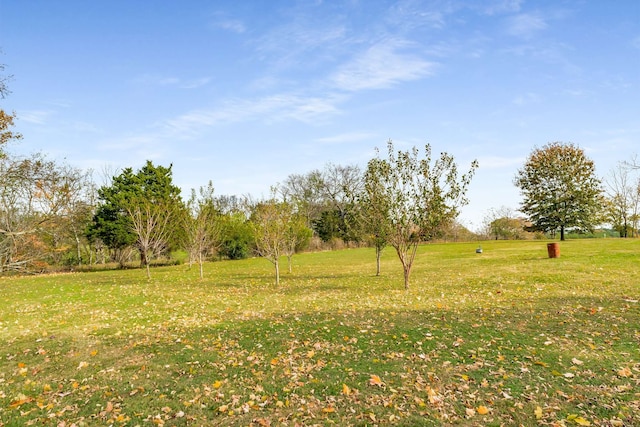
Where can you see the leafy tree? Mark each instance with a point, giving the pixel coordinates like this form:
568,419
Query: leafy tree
325,199
560,189
67,193
415,197
6,120
373,208
331,225
36,195
236,236
137,209
502,224
6,134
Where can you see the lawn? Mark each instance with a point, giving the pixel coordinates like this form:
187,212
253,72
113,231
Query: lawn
506,337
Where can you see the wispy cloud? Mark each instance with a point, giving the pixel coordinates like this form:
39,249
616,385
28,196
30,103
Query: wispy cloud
525,25
407,15
526,99
232,25
501,6
291,45
348,137
381,66
268,109
37,117
156,80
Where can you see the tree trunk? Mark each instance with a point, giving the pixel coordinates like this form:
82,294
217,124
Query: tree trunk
562,233
407,273
143,258
78,248
201,267
276,264
148,272
378,253
290,263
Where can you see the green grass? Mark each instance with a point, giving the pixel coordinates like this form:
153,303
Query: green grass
527,339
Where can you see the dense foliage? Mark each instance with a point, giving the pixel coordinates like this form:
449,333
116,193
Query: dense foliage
560,189
138,208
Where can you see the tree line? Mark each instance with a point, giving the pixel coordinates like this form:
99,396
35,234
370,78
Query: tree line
52,214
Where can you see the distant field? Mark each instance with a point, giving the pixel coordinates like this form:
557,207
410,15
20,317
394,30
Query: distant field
507,337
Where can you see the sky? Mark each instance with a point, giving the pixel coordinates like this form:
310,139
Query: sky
246,93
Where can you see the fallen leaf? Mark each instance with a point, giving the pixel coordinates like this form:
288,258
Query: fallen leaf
538,413
375,380
20,402
625,372
482,410
346,390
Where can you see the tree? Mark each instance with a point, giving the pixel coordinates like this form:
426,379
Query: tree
373,208
297,236
151,224
4,89
623,200
271,222
202,225
502,224
6,120
325,199
67,195
306,193
560,189
236,235
35,196
6,134
137,209
414,197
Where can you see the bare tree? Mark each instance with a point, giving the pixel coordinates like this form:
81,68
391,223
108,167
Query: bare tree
4,89
297,236
271,223
202,225
151,225
619,193
306,193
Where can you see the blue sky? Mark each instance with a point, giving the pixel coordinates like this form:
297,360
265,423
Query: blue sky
245,93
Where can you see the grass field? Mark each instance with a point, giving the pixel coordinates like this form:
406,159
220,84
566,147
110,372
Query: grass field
507,337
